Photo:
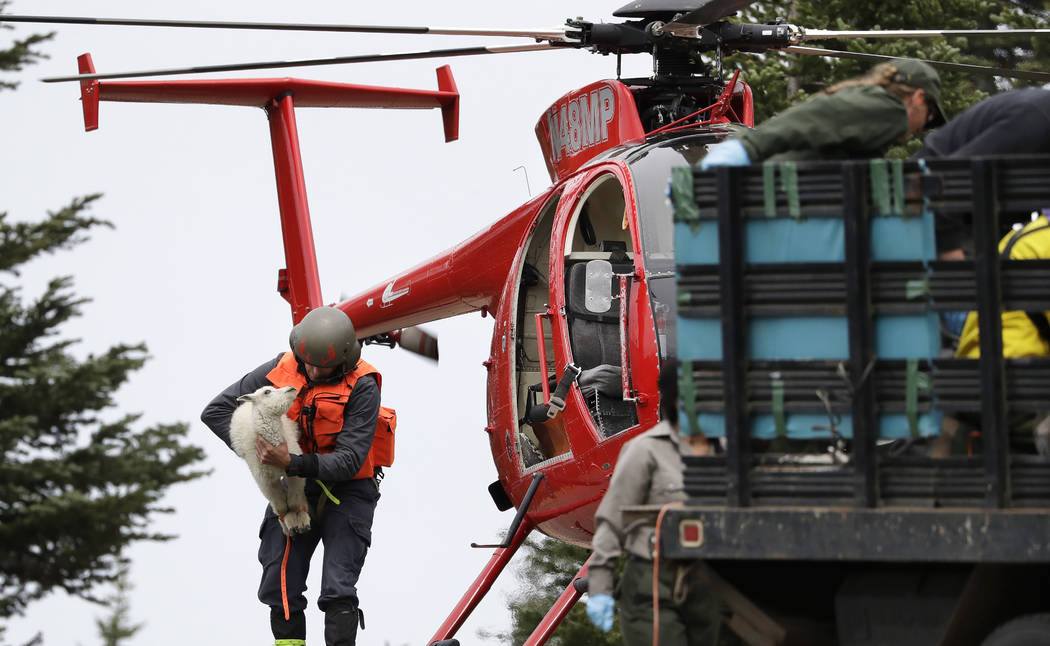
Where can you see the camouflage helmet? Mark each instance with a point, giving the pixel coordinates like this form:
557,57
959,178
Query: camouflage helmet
325,338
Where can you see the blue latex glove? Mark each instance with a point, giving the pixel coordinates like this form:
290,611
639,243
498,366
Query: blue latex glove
954,321
600,610
728,153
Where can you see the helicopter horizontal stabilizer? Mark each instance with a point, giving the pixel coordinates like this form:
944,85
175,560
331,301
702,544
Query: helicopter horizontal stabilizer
89,93
260,92
449,110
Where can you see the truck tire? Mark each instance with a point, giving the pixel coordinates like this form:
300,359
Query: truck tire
1029,630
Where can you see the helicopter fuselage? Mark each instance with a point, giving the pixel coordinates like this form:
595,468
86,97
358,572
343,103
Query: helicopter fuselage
608,204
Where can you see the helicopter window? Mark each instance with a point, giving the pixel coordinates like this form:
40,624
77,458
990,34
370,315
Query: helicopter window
599,219
599,231
540,440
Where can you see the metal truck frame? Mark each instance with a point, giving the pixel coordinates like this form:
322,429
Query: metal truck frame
889,545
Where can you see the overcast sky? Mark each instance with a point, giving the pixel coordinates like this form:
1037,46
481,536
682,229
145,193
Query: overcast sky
191,265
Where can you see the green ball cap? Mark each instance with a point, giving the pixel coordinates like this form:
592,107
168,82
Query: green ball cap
920,75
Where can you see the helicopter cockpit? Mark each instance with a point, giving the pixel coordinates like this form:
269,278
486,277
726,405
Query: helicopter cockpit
599,273
596,230
599,251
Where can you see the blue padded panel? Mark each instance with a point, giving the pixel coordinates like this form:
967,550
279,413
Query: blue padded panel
809,240
785,240
907,337
797,337
801,426
812,337
895,238
699,248
699,338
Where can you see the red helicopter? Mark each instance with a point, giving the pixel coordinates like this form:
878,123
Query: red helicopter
579,280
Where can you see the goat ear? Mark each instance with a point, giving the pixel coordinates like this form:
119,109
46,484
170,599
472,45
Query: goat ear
246,398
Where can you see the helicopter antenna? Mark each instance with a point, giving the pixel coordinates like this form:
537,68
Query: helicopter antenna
527,186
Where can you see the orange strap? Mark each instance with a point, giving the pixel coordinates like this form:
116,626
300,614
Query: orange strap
284,576
656,571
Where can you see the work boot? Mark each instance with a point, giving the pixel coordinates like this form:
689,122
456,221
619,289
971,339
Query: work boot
340,625
288,632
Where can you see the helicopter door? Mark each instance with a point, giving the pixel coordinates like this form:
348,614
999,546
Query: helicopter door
599,265
539,438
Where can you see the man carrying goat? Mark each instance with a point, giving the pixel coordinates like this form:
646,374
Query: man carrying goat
346,438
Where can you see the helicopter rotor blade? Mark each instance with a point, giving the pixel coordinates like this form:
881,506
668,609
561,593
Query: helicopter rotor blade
338,60
824,34
557,34
710,11
418,341
958,67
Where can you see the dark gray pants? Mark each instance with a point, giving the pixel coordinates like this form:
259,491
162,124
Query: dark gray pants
346,532
689,614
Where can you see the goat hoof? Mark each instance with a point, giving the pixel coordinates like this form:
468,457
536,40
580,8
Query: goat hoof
296,522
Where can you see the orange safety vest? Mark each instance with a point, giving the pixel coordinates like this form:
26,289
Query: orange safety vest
317,433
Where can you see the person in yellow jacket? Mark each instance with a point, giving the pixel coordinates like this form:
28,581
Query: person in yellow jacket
1025,334
338,411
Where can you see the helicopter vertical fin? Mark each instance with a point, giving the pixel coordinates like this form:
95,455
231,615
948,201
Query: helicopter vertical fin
88,93
450,110
300,283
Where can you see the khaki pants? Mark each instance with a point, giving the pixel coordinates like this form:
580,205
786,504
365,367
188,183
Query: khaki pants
689,614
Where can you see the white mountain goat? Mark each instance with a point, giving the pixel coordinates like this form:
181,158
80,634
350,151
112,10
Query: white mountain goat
263,413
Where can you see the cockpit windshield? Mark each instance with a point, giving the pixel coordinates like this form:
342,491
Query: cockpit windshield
651,172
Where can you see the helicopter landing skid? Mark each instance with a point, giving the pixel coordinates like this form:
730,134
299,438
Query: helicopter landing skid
480,587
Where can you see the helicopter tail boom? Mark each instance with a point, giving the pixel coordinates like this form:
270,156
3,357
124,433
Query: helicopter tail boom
466,278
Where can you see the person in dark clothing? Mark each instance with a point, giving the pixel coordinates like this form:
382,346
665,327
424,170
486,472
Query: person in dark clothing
855,119
1013,122
1009,123
338,411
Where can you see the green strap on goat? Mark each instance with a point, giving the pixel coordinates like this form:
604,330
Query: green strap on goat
687,390
327,492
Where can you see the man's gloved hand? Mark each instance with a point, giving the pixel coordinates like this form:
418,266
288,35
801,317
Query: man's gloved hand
600,610
728,153
604,378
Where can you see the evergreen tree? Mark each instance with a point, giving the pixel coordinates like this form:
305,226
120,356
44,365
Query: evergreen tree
75,489
20,53
115,629
548,567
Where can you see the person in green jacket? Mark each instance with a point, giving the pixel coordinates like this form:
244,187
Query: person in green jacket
855,119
